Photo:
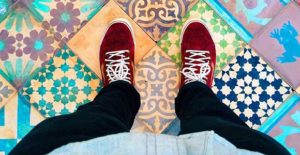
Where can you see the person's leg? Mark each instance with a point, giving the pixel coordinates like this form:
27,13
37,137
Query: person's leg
113,111
197,106
199,109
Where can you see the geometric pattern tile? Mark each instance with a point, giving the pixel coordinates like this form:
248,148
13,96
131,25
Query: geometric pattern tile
63,17
227,42
251,88
18,119
24,45
253,15
62,85
6,91
156,17
86,43
283,34
284,125
157,81
4,8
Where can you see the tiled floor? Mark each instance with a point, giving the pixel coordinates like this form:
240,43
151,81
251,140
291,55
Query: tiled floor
49,60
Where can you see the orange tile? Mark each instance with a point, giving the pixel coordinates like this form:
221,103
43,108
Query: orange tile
86,42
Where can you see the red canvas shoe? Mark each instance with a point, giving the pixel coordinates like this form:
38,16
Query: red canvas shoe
198,53
117,53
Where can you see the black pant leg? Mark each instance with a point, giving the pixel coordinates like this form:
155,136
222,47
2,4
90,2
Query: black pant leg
199,109
112,111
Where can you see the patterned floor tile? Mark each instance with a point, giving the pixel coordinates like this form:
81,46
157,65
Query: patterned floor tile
284,124
62,85
88,49
6,91
63,17
253,15
156,17
157,80
251,88
5,7
283,34
227,42
139,126
24,45
17,118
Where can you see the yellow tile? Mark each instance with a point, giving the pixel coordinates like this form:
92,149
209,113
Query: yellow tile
298,90
35,116
9,130
86,42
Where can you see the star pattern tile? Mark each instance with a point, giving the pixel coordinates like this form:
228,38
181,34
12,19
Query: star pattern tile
49,60
228,43
251,88
62,85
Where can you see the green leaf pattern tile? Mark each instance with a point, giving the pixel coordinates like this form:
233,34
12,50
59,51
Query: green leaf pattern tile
62,85
228,43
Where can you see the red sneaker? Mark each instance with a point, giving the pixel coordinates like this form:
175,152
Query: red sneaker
198,53
117,53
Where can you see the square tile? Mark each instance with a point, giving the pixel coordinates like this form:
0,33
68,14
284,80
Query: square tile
6,91
156,17
253,15
157,81
25,45
62,85
88,49
227,42
251,88
18,119
283,34
63,17
284,124
5,7
8,117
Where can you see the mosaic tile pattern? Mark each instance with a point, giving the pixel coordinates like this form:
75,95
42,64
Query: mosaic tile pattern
62,85
88,49
60,77
286,127
253,15
63,17
227,42
156,17
283,34
6,91
4,8
17,118
251,88
157,81
25,45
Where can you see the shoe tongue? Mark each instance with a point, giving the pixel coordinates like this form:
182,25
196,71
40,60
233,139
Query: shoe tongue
117,55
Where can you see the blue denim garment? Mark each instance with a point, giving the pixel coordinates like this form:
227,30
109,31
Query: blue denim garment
201,143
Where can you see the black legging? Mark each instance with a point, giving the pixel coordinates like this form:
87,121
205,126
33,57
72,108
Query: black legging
115,107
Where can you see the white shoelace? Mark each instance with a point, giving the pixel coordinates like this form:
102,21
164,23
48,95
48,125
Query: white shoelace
117,69
190,71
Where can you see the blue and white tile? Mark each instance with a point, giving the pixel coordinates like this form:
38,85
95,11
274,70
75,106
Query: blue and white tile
251,88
